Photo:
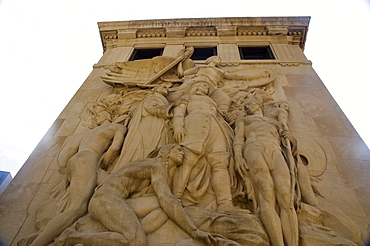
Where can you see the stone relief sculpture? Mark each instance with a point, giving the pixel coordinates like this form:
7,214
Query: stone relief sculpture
118,216
208,159
123,101
258,156
301,181
201,129
212,73
149,128
79,159
145,72
109,205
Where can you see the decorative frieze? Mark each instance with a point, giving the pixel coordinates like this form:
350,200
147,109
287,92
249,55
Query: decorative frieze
251,30
201,31
298,34
295,27
109,35
151,33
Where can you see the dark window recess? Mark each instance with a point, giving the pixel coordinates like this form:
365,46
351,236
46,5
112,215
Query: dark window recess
256,53
140,54
203,53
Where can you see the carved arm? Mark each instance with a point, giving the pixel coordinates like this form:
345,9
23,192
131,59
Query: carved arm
114,150
173,207
178,120
240,164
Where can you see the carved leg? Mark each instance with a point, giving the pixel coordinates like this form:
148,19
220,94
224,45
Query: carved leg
182,175
220,181
117,215
304,181
27,240
271,220
81,170
288,215
72,237
265,191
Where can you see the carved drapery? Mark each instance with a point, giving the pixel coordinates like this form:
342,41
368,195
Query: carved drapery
207,158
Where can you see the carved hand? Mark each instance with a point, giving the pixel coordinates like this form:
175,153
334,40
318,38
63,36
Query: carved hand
179,133
230,117
166,114
287,136
241,166
204,236
105,162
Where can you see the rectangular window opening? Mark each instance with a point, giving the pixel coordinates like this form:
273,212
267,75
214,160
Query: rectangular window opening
203,53
140,54
256,53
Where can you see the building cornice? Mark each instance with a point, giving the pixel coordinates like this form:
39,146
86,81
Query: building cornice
296,27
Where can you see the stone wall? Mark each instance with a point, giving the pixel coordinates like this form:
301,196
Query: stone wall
335,157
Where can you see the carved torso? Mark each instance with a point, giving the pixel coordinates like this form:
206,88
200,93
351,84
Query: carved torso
259,128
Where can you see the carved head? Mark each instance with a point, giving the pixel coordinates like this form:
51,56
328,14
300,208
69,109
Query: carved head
103,118
162,89
174,152
200,86
252,106
282,104
213,60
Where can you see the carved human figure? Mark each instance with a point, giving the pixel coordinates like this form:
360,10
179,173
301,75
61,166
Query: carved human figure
143,72
199,127
280,111
208,72
79,160
258,156
277,111
149,128
108,109
109,203
212,73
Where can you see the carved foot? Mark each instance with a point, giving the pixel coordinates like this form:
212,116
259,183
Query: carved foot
27,240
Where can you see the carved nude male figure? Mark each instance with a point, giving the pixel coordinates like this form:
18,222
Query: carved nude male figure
109,204
80,158
258,140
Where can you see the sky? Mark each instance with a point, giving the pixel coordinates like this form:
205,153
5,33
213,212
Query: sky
48,48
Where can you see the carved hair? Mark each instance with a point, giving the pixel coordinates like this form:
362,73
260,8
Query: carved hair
209,59
252,101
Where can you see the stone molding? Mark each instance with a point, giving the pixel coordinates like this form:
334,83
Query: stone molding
293,27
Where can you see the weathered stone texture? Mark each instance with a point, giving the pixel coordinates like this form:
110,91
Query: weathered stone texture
224,98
